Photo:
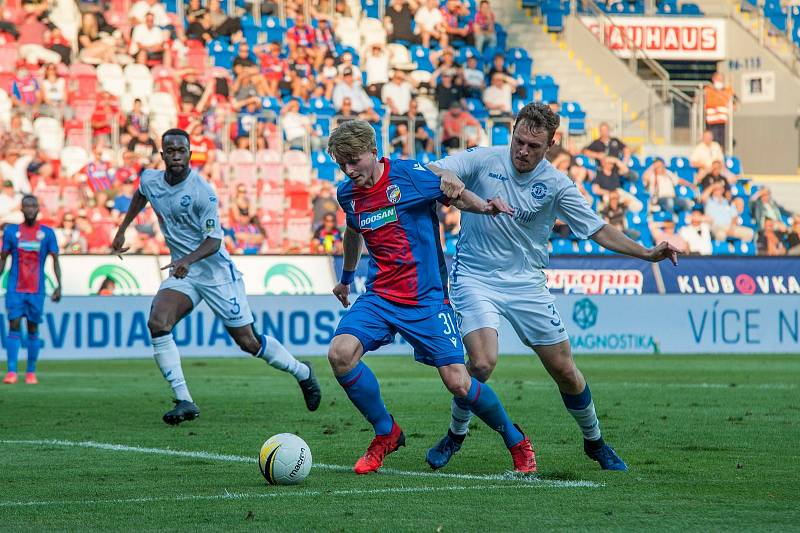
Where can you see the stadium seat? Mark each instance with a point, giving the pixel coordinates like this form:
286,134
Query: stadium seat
499,135
298,166
476,108
322,107
681,167
9,54
564,247
238,155
84,81
576,118
721,248
274,29
422,57
547,87
73,158
298,230
691,10
221,54
370,8
372,32
348,33
111,78
583,161
50,135
734,165
139,80
325,166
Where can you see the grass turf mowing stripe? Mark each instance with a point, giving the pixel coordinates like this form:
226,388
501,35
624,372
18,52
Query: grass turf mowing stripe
281,494
508,476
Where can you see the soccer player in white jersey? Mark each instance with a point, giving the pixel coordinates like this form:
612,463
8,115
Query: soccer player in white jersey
497,268
201,269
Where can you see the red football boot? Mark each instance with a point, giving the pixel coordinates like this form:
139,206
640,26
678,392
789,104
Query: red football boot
380,447
524,457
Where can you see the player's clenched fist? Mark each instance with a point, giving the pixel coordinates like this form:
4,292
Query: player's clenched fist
451,186
342,292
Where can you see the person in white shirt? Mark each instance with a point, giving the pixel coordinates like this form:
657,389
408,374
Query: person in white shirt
297,127
474,79
14,168
148,42
376,65
348,88
661,183
200,270
347,63
397,94
497,97
140,9
10,204
497,270
697,233
430,24
705,153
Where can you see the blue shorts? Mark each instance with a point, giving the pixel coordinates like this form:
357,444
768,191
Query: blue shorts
19,304
431,330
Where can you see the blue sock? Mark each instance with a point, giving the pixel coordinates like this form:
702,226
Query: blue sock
362,388
33,351
581,407
13,343
482,400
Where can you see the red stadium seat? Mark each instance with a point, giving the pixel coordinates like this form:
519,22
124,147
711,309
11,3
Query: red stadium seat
273,196
272,222
298,230
298,195
9,53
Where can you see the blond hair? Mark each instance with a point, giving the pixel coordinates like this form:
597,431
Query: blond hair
350,140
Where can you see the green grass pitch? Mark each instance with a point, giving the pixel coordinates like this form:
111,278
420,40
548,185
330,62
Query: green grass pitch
711,441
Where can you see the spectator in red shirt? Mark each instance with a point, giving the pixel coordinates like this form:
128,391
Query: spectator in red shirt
325,41
303,35
483,27
273,67
457,125
202,147
128,172
451,13
105,108
98,239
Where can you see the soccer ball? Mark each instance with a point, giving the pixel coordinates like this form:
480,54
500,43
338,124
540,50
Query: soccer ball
284,459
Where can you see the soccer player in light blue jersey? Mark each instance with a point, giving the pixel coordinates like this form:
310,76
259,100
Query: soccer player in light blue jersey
497,268
201,270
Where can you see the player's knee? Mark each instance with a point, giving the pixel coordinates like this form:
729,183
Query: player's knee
340,356
481,370
158,326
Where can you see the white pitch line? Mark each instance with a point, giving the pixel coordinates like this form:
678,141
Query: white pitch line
508,476
241,496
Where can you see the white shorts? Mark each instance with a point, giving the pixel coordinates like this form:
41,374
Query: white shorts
531,311
228,301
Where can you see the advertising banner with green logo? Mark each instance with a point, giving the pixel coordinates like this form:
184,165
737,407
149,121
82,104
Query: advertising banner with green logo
106,327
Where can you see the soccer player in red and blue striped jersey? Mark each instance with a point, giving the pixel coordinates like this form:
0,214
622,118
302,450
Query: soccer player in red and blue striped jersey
391,205
28,244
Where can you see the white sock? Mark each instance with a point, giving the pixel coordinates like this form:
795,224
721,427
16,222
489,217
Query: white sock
587,421
460,418
169,361
279,357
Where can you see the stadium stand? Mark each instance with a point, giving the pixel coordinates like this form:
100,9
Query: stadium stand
259,95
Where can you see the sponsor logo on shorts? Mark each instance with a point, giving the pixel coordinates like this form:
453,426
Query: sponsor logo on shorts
538,190
393,193
377,219
186,200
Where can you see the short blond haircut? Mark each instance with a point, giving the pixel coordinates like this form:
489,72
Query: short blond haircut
351,140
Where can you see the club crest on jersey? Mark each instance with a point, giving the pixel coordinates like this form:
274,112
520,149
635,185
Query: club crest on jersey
40,235
377,219
538,190
186,200
393,193
210,225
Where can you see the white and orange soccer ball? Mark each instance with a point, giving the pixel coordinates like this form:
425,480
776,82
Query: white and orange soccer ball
285,459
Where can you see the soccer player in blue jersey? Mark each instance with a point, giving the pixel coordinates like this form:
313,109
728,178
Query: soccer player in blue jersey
201,270
28,244
497,269
391,205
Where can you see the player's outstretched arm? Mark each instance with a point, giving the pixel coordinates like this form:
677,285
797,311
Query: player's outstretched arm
469,201
138,202
610,237
351,244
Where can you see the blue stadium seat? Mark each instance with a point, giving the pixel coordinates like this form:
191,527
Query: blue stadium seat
499,135
221,54
251,31
734,165
691,10
521,61
502,36
476,108
743,247
322,107
275,30
517,104
576,118
370,7
721,248
271,103
682,191
554,16
662,216
322,126
636,165
422,57
681,167
589,247
171,6
586,162
564,247
378,106
325,166
547,87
